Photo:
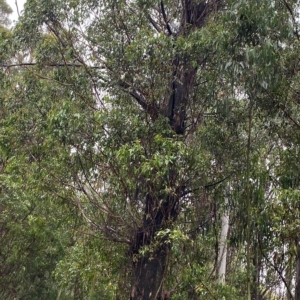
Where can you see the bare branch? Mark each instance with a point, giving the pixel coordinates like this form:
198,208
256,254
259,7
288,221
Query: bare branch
47,65
218,182
139,98
165,17
17,7
210,184
154,24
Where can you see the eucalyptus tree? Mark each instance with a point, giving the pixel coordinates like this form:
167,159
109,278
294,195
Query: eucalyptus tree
33,220
269,100
137,106
134,53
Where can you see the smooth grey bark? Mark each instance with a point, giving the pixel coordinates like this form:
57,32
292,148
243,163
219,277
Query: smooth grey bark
297,289
222,255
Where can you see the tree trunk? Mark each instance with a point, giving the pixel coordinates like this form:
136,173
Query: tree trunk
222,259
289,276
149,255
297,290
255,290
194,16
148,276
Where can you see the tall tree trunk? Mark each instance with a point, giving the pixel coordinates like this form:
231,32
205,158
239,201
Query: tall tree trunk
222,257
194,15
297,290
149,266
289,274
255,290
148,275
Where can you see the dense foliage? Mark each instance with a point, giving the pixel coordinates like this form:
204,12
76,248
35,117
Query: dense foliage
149,149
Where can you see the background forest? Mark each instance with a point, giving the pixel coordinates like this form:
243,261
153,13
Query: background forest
150,150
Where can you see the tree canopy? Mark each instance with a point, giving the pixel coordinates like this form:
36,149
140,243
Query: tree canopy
149,150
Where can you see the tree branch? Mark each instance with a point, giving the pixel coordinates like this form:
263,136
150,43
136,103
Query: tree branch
23,64
17,8
218,182
154,24
139,98
165,17
210,184
293,18
278,271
